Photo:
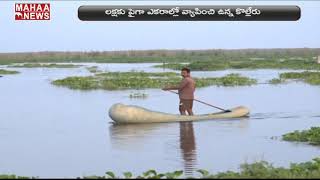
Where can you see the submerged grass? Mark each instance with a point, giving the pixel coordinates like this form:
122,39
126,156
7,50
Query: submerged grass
311,136
5,72
257,170
38,65
144,80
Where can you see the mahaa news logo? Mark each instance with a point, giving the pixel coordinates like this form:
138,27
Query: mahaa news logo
32,11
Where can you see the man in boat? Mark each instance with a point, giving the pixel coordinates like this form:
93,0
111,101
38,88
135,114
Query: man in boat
186,90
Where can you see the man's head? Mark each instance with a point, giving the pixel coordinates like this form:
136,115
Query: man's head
185,72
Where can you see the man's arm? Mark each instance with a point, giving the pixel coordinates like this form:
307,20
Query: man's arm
180,87
171,88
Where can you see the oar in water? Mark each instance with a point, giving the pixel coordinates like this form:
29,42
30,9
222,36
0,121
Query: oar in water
225,110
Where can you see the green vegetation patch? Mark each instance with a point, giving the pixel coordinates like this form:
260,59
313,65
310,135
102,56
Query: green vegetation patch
38,65
257,170
4,72
311,136
144,80
232,79
245,63
174,66
12,176
163,55
84,83
312,78
277,81
93,69
265,170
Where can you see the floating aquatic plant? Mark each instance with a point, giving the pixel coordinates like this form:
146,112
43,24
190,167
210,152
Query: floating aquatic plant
256,170
144,80
5,72
311,136
38,65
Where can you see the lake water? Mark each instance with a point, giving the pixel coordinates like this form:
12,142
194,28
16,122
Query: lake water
51,131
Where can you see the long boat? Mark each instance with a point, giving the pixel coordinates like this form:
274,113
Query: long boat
121,113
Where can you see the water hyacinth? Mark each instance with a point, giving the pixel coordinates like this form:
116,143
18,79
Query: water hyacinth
6,72
312,78
38,65
276,81
256,170
93,69
220,64
144,80
311,136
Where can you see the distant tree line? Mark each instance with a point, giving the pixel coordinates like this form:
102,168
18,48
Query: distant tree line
157,55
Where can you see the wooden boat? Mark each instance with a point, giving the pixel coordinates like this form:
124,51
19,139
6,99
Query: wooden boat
121,113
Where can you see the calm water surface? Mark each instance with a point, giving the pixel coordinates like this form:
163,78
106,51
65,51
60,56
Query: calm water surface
51,131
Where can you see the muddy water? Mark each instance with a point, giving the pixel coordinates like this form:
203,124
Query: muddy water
51,131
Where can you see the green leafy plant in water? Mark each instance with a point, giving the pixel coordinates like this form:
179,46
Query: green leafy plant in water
228,80
312,78
38,65
127,175
93,69
311,136
5,72
256,170
236,80
204,173
221,63
276,81
110,174
84,83
12,176
265,170
144,80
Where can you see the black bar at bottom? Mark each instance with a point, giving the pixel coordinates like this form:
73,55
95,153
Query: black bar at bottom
189,13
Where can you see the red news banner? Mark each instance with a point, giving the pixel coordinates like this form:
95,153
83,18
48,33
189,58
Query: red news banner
32,11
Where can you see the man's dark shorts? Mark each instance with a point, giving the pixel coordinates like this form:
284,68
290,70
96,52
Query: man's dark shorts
185,104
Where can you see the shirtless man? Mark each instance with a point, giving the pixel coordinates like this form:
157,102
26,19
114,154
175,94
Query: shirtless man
186,92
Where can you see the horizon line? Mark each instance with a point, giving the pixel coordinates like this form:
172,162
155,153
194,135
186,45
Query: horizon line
141,50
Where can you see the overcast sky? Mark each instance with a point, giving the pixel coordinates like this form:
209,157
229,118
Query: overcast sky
65,32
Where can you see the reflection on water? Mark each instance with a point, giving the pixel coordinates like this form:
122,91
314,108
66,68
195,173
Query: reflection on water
129,137
132,136
188,147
